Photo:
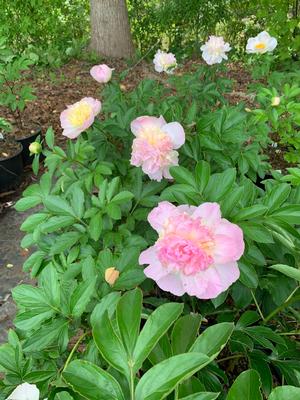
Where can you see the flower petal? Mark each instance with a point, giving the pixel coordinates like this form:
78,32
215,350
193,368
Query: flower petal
176,132
146,122
160,214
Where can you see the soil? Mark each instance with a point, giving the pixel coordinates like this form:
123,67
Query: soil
28,129
8,148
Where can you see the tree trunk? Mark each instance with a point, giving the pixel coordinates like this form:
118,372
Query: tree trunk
110,28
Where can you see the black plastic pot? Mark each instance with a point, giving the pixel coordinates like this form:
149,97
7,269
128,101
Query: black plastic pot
26,141
11,170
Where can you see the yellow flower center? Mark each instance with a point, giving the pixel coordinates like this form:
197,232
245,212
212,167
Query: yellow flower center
79,114
153,136
260,46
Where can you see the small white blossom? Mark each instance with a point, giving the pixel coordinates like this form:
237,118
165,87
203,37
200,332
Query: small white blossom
164,62
25,391
214,50
260,44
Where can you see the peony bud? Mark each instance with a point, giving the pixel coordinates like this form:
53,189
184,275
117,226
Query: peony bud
111,275
275,101
35,148
248,110
101,73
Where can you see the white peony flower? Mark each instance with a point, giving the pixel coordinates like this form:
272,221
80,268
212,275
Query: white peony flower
164,62
25,391
260,44
214,50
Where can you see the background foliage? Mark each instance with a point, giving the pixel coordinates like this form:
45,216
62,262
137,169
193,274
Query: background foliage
53,29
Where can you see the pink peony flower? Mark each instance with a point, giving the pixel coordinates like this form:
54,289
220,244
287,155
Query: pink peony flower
164,62
101,73
79,116
154,146
196,252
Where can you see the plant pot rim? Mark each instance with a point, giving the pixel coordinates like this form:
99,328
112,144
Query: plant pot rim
37,130
14,155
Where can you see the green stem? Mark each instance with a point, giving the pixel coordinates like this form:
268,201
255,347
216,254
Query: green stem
132,395
176,395
257,306
277,310
74,349
235,356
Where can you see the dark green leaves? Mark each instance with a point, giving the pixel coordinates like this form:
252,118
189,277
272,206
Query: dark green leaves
246,387
163,377
92,382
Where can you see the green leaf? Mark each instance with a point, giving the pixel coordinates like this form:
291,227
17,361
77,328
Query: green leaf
155,327
53,224
7,357
285,393
290,214
129,311
45,336
183,175
246,387
122,197
250,212
202,174
64,242
81,297
201,396
114,211
288,271
162,379
95,226
247,318
39,376
78,201
107,303
248,275
58,205
91,381
33,221
220,184
256,232
27,202
277,196
109,344
185,332
32,319
220,334
49,137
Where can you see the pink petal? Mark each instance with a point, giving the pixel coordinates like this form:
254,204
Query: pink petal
228,273
229,243
176,132
95,104
211,280
209,212
159,215
171,283
146,122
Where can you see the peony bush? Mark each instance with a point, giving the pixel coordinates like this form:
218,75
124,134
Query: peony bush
165,249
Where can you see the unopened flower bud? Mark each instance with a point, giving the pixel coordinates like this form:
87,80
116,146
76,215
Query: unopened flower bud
35,148
247,109
111,275
275,101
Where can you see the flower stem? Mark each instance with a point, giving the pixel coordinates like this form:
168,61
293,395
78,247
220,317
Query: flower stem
74,349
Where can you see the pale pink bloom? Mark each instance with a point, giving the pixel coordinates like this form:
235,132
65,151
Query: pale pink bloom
25,391
196,252
101,73
164,62
214,50
79,116
154,148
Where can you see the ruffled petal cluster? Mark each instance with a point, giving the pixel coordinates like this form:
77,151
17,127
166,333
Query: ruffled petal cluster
79,116
196,252
164,62
101,73
155,144
262,43
214,50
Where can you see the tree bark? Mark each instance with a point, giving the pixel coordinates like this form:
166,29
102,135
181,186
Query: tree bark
110,28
